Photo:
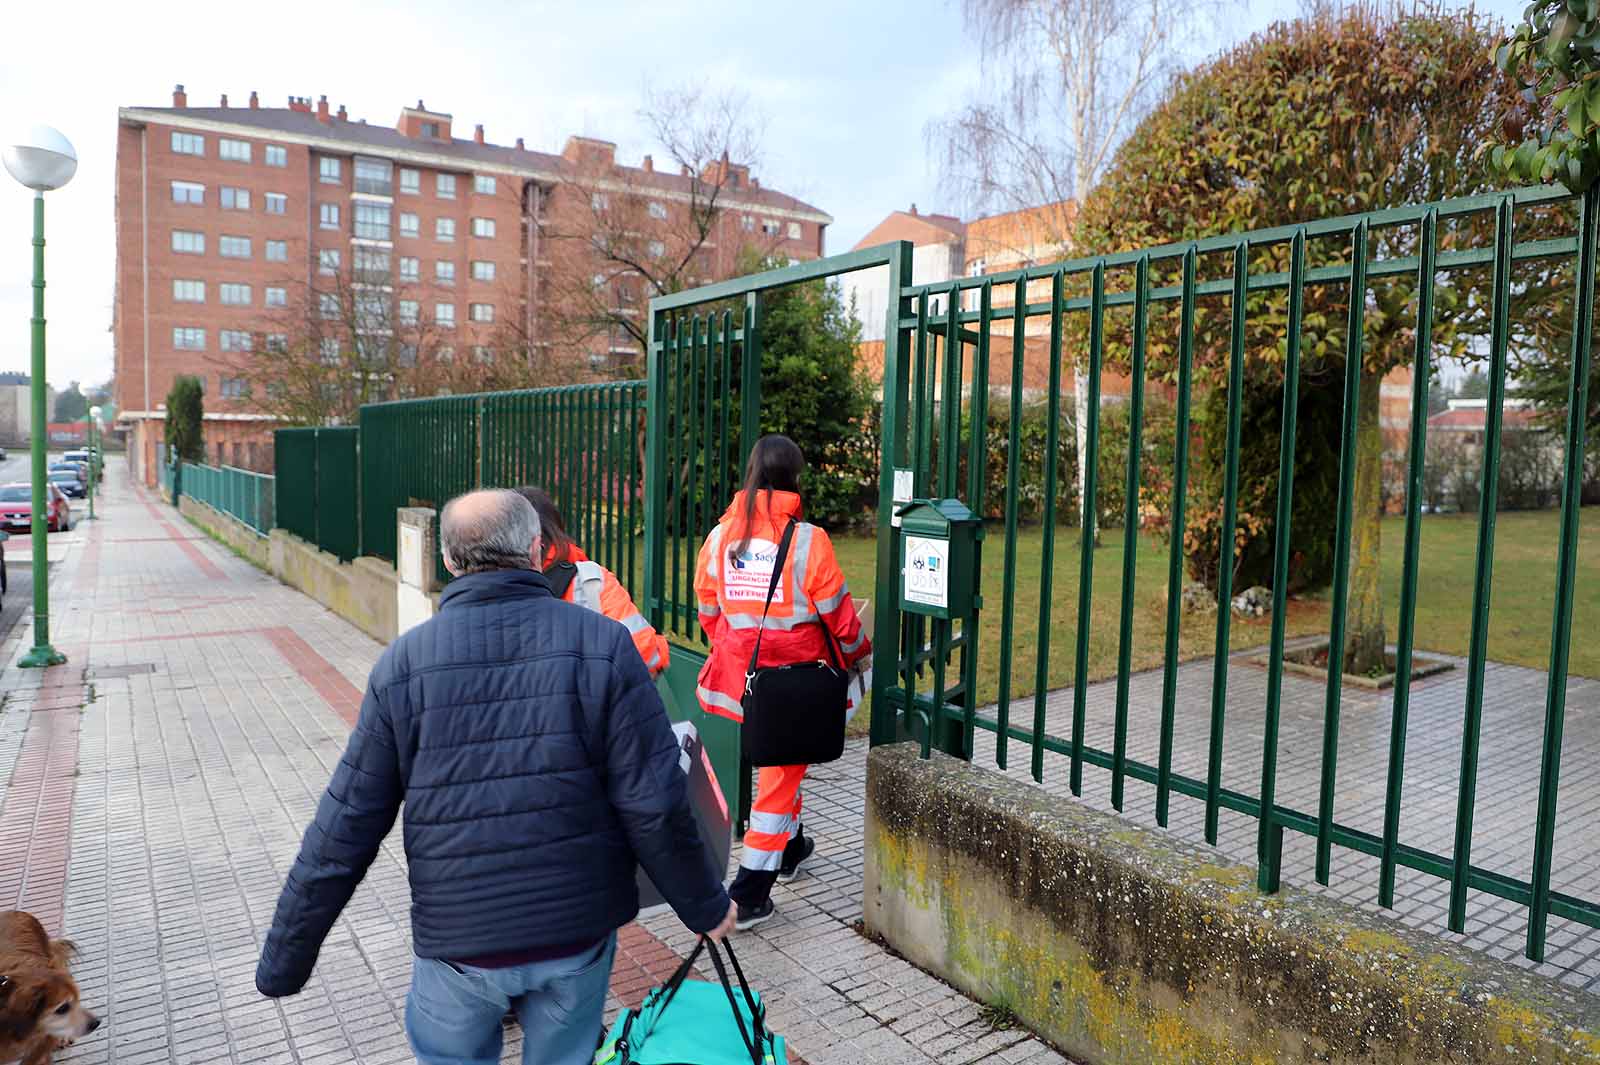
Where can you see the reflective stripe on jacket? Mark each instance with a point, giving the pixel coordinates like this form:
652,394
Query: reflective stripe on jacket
731,591
618,605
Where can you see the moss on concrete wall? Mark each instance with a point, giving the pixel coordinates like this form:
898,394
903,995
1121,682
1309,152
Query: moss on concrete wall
1127,946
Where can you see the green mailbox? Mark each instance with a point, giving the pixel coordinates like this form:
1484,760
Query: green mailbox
938,539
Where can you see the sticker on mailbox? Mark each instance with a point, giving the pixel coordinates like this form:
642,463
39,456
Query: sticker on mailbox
927,573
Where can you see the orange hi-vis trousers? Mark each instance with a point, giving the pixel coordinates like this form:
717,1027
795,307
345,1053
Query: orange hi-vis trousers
774,826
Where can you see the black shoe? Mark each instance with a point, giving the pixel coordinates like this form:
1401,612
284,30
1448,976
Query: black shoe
787,872
750,916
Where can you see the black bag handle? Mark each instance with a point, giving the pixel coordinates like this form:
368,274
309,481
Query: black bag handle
752,1045
659,1002
772,588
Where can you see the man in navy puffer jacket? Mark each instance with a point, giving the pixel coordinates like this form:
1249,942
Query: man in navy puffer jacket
535,764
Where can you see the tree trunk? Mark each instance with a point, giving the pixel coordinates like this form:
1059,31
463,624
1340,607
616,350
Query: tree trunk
1364,635
1080,403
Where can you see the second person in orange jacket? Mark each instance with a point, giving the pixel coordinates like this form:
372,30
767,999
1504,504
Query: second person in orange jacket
730,583
576,578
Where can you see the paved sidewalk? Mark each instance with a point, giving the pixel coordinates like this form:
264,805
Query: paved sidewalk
153,792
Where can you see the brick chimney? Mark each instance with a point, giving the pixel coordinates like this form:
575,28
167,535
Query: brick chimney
520,147
255,101
913,210
648,166
477,133
179,97
322,109
343,114
224,99
301,104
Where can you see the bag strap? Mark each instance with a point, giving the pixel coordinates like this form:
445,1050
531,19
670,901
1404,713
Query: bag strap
757,1010
772,588
752,1045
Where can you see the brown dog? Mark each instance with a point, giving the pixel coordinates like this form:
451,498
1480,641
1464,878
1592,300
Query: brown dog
39,1007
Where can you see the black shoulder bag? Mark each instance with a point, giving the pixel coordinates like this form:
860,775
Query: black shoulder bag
793,714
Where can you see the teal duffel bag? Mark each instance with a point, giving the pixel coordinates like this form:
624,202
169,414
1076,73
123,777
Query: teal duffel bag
692,1022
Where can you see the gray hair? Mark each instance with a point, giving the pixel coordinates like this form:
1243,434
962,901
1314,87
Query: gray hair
492,529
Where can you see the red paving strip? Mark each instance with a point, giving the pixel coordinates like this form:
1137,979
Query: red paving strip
342,697
36,817
153,539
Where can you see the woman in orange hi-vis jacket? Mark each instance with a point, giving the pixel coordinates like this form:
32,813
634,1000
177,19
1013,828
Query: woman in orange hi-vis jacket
576,578
730,582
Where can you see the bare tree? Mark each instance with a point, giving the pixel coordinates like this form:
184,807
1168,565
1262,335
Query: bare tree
619,236
1062,83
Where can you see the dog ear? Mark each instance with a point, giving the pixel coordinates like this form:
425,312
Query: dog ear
27,1006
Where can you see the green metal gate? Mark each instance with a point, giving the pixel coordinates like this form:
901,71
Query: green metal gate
966,336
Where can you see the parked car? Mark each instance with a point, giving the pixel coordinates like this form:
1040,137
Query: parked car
2,454
70,483
88,458
16,508
77,468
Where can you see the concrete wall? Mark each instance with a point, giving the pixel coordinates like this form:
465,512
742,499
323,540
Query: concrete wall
1125,946
362,592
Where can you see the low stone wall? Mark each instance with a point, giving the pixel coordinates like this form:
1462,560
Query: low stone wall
1127,946
362,592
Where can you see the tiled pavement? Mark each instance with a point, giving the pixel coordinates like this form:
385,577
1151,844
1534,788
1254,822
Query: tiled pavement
153,792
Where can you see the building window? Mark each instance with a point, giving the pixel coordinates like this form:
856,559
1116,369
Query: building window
794,230
188,143
233,151
657,249
371,265
482,353
444,229
408,355
444,272
188,338
748,224
278,343
483,185
277,203
188,192
445,186
444,353
235,295
410,181
234,247
658,211
235,340
410,268
483,227
330,351
482,312
277,251
277,297
769,226
599,281
482,270
189,291
444,315
409,311
375,177
235,199
328,261
328,306
599,201
430,129
235,388
329,213
372,220
276,155
409,226
328,170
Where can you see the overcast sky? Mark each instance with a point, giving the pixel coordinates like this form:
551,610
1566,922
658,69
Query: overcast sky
846,88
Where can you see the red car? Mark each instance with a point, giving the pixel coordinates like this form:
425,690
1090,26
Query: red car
16,508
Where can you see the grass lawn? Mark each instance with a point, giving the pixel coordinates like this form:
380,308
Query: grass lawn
1520,612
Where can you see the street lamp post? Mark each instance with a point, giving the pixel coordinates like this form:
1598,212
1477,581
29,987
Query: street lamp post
42,160
94,455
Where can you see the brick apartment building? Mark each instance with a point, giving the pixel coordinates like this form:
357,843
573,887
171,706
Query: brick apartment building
226,216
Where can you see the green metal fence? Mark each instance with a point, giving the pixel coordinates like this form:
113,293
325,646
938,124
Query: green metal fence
1487,252
243,494
581,443
318,487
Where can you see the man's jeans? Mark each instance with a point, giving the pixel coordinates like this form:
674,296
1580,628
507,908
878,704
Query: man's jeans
454,1012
